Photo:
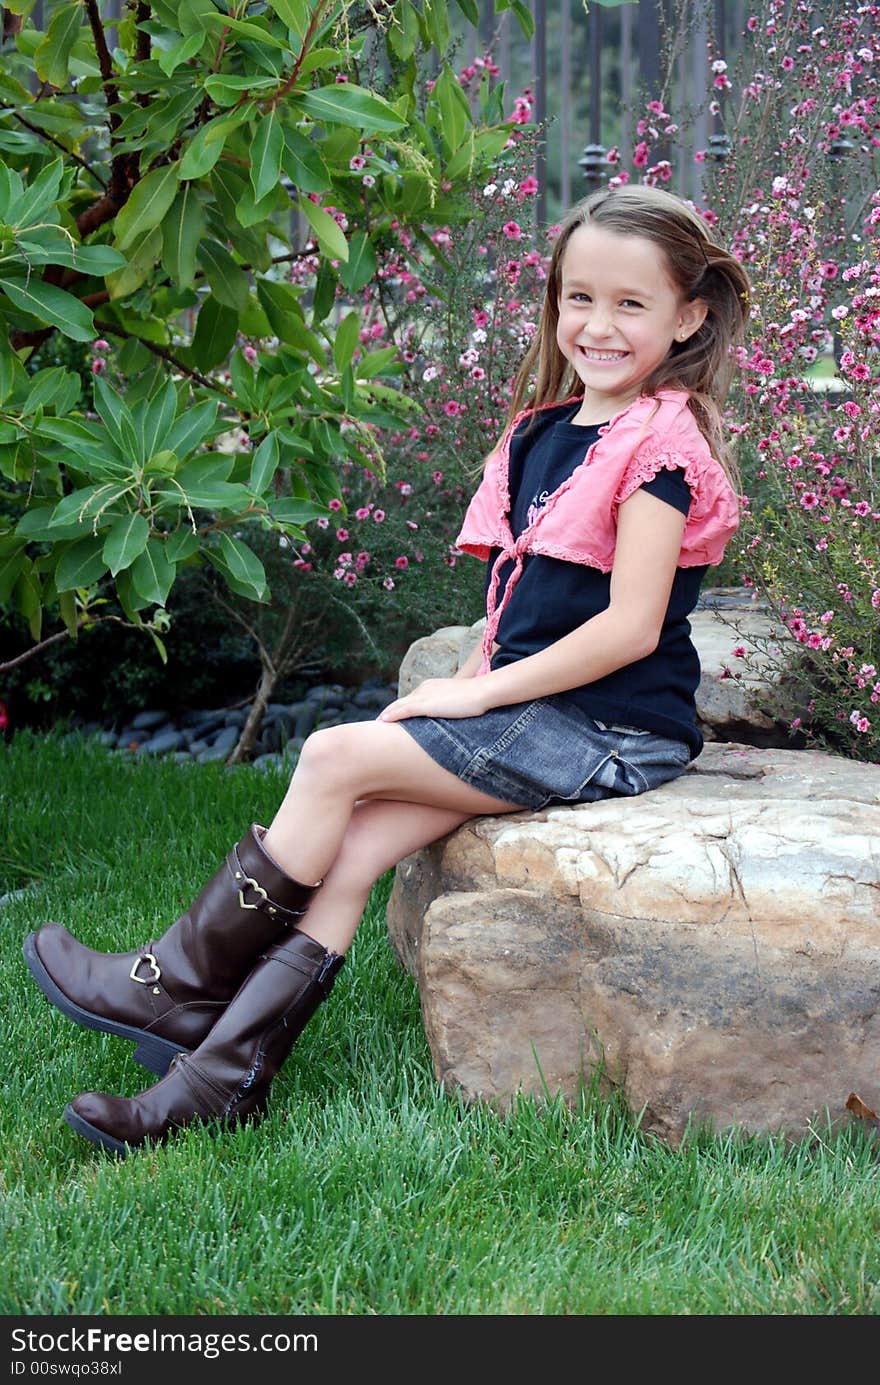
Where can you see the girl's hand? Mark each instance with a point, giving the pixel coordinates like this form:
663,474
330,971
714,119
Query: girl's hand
439,697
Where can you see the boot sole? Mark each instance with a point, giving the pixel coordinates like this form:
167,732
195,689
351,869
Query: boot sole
153,1053
97,1137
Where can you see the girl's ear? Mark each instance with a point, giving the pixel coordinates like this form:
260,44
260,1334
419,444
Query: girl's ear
691,318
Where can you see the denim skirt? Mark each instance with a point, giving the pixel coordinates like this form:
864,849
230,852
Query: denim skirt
548,751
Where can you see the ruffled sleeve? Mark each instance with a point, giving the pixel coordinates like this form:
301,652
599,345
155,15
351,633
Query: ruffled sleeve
482,526
714,514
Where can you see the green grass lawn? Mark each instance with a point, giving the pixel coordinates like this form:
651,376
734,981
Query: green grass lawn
368,1189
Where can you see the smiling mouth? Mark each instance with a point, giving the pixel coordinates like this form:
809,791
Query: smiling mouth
602,355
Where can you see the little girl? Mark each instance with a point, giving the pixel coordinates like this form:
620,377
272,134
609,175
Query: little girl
598,515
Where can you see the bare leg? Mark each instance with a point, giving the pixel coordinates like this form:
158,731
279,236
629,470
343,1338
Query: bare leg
380,833
363,796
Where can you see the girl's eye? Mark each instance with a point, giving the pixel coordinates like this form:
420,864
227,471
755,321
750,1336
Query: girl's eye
632,303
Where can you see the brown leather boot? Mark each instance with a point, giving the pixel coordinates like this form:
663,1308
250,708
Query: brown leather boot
227,1077
166,995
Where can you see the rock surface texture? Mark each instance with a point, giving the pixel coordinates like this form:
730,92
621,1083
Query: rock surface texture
711,947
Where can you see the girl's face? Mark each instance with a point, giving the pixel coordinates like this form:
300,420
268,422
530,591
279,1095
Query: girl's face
619,313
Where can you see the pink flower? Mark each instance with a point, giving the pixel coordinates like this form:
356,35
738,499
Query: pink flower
529,185
98,366
334,504
388,584
250,354
401,562
342,535
100,345
739,652
640,154
512,230
378,516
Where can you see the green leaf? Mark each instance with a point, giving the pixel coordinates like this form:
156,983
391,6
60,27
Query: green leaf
158,416
293,511
80,565
47,386
296,14
255,31
226,89
471,12
179,53
52,56
67,609
210,495
324,295
192,428
216,328
180,545
349,105
11,566
404,35
328,234
244,566
11,369
455,117
31,204
95,260
210,466
119,423
526,18
265,463
361,264
302,162
83,506
281,305
182,232
36,523
228,281
207,146
149,203
152,575
51,305
346,340
126,540
266,150
142,258
249,213
28,600
375,362
476,150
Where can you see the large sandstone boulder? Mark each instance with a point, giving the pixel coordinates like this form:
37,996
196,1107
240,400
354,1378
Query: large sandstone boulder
711,947
740,697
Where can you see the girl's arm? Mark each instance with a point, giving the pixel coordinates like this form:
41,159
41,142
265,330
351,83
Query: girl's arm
649,534
472,662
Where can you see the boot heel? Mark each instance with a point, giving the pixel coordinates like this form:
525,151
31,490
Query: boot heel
157,1055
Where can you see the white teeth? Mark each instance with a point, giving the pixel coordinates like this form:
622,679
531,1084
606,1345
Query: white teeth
604,355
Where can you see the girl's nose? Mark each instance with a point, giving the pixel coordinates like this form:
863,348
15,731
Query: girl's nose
598,324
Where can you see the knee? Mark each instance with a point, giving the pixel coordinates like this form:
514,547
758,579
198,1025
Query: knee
327,755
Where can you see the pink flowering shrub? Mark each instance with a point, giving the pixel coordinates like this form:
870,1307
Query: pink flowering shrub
796,199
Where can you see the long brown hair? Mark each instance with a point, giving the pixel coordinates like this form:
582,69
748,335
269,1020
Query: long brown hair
697,265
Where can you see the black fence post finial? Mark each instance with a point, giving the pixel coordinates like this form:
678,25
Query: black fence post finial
593,161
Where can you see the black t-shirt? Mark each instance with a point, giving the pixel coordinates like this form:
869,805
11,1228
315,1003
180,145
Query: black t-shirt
553,597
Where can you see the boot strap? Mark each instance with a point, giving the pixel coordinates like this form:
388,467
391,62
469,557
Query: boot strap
252,895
